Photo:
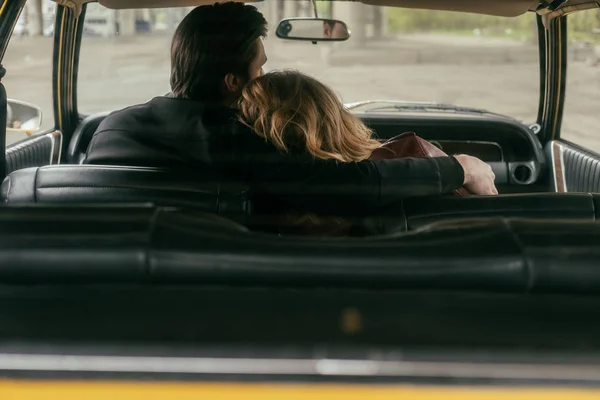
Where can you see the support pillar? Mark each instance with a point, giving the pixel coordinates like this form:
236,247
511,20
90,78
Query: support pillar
126,19
354,14
35,18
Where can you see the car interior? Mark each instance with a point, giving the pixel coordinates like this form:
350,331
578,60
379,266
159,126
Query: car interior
169,264
537,177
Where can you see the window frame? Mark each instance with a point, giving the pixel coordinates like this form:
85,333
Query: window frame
563,75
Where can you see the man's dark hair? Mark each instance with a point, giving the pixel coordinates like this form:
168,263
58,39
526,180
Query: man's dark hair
330,23
211,42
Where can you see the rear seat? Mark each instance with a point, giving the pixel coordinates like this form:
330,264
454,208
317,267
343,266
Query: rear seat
149,245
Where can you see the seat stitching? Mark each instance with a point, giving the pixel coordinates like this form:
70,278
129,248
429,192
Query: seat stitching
88,187
479,212
122,188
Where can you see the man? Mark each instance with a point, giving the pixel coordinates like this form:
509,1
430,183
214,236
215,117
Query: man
334,30
215,51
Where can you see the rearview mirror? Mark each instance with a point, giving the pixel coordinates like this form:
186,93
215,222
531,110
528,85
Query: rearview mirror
313,29
23,116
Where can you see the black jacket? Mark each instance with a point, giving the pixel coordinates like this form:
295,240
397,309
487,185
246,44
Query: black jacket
177,133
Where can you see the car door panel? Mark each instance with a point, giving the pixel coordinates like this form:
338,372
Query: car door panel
37,151
574,169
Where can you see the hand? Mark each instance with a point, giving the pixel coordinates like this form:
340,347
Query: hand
479,177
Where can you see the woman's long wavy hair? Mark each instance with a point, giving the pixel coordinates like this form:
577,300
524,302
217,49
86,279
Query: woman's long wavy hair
298,114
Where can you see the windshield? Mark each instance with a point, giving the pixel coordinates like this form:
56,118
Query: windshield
397,54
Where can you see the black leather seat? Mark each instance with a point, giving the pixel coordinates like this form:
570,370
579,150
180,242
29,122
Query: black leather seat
95,184
82,137
577,206
79,184
88,184
156,245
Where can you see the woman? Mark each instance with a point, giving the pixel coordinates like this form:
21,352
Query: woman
298,113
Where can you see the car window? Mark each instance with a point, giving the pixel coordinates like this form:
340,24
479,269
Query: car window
397,54
581,118
124,57
28,63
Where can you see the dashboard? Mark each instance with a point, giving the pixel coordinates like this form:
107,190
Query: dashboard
511,148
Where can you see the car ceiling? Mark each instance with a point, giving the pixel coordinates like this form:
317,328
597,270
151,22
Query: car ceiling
508,8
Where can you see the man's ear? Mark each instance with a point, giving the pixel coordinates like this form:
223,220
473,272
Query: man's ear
233,83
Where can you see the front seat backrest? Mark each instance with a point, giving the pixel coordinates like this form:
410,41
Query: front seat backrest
113,184
82,137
